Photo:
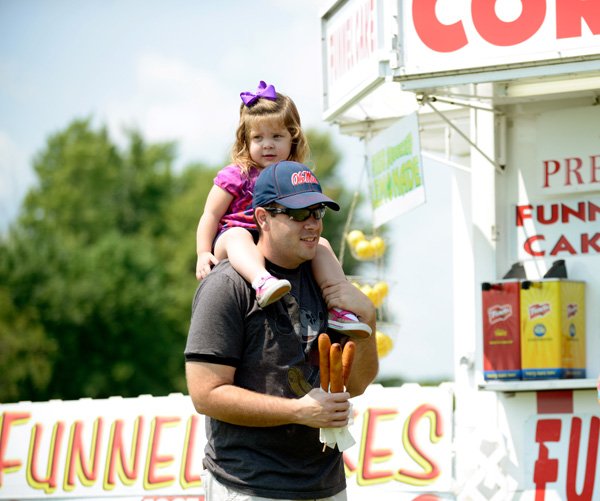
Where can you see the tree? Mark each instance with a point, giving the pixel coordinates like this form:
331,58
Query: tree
83,263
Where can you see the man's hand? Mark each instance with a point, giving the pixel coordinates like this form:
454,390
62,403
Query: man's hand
319,409
346,296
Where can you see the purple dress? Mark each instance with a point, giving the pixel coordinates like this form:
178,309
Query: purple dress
240,186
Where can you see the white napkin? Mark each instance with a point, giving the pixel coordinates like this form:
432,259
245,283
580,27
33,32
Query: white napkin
338,436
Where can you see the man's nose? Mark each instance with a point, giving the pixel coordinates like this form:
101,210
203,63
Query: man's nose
312,221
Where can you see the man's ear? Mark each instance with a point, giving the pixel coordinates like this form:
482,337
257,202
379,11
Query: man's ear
261,216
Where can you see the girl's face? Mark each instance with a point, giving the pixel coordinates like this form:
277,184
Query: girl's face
269,143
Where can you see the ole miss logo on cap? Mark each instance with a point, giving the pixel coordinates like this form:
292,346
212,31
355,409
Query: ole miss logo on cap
303,177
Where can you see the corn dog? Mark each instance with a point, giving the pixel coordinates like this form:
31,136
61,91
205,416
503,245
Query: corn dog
347,359
324,347
336,381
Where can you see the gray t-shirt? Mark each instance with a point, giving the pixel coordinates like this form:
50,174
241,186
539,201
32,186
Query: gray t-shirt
274,351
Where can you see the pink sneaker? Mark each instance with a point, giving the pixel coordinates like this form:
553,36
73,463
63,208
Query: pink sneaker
347,323
270,289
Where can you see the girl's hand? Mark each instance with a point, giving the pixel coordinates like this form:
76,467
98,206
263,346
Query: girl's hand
204,264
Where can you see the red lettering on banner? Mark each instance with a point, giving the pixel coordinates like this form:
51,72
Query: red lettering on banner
504,34
573,166
545,469
559,213
76,464
369,454
49,468
353,40
579,213
437,36
584,211
590,463
595,168
563,245
589,244
188,479
117,459
541,216
430,470
50,481
578,486
571,13
523,212
7,421
155,461
528,246
586,243
574,170
551,167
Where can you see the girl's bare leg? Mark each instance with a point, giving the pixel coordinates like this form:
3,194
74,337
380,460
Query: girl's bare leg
326,268
237,244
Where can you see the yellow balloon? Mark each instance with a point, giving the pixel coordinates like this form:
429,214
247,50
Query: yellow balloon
381,288
364,250
354,237
378,246
384,344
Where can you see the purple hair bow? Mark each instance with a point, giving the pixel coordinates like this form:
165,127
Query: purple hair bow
263,90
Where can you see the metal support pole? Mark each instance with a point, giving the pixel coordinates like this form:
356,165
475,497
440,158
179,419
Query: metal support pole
497,166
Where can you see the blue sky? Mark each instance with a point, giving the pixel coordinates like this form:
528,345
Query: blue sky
173,69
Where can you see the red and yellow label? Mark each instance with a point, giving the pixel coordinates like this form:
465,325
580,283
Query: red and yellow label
553,330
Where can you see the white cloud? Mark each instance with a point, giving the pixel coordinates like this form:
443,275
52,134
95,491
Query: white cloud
175,101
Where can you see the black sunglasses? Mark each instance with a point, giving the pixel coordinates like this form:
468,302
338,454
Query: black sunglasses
299,214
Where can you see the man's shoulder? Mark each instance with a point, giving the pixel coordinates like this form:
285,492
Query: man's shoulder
221,285
223,273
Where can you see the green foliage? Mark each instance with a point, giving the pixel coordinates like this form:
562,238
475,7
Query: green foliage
25,350
87,187
97,274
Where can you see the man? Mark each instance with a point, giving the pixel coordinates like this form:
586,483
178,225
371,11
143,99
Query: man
254,373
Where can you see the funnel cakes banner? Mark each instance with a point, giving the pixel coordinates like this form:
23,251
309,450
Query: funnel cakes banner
152,447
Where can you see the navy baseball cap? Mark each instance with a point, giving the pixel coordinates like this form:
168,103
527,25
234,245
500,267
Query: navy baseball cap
290,184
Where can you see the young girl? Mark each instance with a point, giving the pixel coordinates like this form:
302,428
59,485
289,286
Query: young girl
269,131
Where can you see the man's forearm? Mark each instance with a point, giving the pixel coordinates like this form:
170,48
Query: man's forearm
236,405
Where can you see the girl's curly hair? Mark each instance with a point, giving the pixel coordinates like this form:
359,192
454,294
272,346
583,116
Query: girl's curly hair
281,111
